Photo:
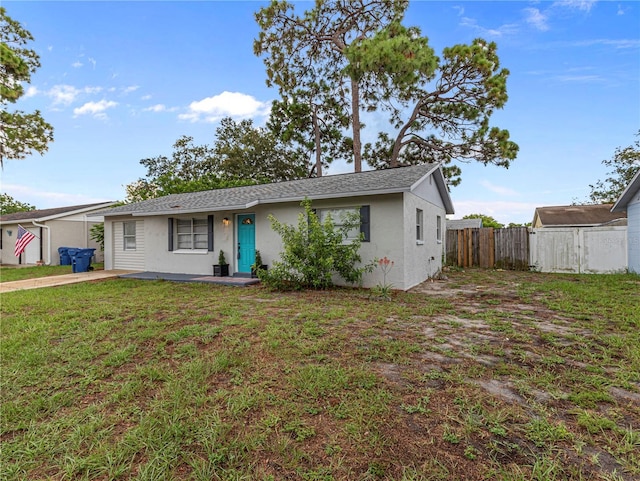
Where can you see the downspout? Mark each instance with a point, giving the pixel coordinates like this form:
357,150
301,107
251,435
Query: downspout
48,263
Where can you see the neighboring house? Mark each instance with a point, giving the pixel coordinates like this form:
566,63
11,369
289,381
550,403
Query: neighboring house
579,238
629,201
58,227
577,216
402,214
458,224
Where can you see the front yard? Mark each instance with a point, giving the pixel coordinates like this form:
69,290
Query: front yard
486,375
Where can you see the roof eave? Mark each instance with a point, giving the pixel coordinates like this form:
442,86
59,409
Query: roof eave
627,194
57,216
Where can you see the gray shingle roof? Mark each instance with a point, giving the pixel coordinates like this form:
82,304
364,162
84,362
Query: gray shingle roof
327,187
48,213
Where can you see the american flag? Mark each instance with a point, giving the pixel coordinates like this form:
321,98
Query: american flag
24,237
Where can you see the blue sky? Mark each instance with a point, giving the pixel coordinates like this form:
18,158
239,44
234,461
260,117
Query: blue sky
121,81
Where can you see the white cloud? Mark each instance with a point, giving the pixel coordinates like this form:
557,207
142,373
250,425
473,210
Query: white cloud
582,5
536,18
145,97
67,94
63,94
96,109
156,108
77,64
232,104
498,189
31,92
92,61
128,90
581,78
506,29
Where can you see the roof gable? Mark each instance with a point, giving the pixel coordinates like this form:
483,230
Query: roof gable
632,189
54,213
375,182
576,215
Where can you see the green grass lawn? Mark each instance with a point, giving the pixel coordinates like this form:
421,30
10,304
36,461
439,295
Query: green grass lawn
488,375
10,273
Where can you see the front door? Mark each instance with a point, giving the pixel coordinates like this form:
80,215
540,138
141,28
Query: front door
246,242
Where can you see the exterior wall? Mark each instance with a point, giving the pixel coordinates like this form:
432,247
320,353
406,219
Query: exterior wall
72,231
386,221
590,250
31,254
422,259
128,259
633,234
392,218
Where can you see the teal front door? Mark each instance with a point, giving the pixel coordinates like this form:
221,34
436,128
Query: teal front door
246,242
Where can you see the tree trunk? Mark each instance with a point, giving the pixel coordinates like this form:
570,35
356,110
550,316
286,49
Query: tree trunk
316,131
355,116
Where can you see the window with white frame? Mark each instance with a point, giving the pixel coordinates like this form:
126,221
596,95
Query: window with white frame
129,236
192,234
339,217
439,229
419,225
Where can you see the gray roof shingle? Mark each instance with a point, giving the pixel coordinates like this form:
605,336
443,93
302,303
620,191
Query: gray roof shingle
48,213
331,186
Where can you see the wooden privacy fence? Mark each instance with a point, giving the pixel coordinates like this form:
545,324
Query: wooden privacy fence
488,247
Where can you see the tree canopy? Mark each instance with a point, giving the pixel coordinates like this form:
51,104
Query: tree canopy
20,133
241,155
9,205
309,56
487,220
624,164
346,57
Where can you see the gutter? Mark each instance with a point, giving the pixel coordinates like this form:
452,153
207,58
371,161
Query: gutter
48,263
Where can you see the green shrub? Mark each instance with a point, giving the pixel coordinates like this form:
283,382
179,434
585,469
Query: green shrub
315,251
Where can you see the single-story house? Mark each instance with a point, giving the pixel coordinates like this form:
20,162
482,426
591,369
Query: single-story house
459,224
629,201
402,212
592,215
54,228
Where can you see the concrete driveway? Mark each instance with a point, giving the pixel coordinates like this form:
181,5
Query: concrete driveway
59,280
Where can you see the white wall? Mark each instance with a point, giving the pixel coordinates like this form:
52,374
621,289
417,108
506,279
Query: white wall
589,250
392,219
633,234
422,259
128,259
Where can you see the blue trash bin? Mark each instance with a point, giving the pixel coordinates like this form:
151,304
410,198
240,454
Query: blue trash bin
81,259
65,258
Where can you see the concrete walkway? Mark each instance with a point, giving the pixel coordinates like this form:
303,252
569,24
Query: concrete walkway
97,275
59,280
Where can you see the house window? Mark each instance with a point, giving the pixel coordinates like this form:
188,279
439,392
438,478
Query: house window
439,229
192,234
129,236
339,217
419,226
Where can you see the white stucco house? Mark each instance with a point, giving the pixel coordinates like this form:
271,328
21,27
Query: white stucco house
402,213
57,227
629,201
